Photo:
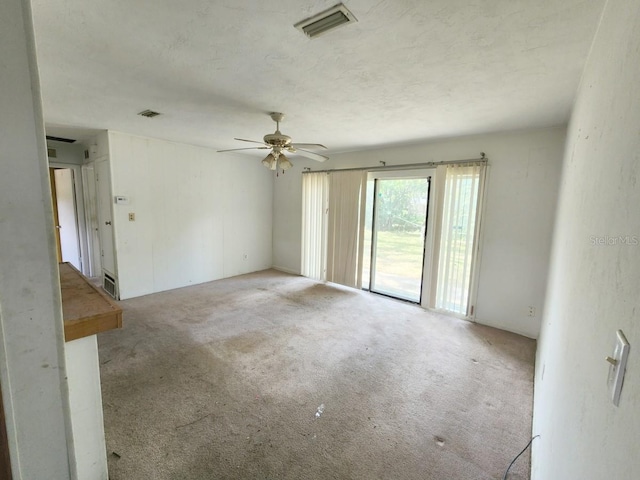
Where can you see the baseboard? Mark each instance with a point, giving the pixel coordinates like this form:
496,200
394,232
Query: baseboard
285,270
506,328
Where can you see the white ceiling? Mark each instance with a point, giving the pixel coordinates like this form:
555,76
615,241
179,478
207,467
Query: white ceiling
408,70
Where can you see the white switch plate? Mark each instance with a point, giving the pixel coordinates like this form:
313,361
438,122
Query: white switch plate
616,371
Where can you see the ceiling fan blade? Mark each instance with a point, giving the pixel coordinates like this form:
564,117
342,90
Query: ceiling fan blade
313,156
250,141
250,148
308,145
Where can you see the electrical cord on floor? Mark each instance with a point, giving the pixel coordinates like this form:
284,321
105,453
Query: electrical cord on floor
518,456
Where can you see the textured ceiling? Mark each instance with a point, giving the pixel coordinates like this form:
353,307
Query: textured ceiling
408,70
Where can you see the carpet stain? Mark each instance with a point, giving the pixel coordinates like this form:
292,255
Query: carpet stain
132,352
246,343
224,380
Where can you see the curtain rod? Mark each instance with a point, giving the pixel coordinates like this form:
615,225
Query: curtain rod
404,166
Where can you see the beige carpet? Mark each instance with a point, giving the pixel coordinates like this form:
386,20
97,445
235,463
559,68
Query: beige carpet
225,380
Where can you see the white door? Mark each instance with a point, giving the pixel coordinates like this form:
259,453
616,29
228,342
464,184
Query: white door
105,225
68,225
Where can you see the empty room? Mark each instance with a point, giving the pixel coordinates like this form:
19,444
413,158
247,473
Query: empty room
286,240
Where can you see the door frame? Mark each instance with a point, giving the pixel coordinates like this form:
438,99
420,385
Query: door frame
90,186
54,204
78,193
109,206
427,260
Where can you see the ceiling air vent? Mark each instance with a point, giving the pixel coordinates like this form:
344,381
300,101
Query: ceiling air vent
149,113
325,21
60,139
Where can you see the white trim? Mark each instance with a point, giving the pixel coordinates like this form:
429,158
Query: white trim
78,194
286,270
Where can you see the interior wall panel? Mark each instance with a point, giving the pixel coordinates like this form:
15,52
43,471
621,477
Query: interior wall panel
199,215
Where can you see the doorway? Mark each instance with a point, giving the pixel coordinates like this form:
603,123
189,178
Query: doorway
395,236
63,198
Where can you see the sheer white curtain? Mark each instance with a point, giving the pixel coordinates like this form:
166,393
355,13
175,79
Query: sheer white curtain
458,222
314,224
345,230
333,226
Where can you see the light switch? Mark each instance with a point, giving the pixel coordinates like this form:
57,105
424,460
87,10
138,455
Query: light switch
617,366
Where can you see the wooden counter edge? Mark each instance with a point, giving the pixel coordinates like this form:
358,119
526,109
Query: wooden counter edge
92,324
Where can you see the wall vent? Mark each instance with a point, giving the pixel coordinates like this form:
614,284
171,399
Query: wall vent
149,113
109,285
61,139
52,153
334,17
86,154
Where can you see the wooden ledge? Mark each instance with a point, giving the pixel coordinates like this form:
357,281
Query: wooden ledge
85,309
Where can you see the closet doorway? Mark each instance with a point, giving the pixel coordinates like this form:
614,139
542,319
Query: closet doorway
65,213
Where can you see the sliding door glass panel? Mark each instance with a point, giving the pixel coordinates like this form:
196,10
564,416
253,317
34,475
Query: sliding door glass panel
398,236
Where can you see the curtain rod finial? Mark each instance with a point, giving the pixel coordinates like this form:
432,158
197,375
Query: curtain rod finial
482,155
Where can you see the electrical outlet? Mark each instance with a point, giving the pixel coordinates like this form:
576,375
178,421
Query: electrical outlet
132,217
531,311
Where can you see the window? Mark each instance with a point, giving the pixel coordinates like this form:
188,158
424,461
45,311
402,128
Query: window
434,224
458,233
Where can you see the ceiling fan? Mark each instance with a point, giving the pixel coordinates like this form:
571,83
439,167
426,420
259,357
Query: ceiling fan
278,144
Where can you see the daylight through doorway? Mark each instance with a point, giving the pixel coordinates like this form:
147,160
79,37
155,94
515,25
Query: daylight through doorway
395,236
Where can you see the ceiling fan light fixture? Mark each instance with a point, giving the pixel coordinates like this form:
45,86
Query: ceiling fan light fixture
284,163
270,162
278,143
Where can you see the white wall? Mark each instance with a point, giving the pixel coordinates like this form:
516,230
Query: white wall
97,146
68,153
197,214
595,289
32,365
85,400
520,206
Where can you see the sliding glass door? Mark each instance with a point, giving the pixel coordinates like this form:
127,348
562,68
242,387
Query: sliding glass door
380,240
396,238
